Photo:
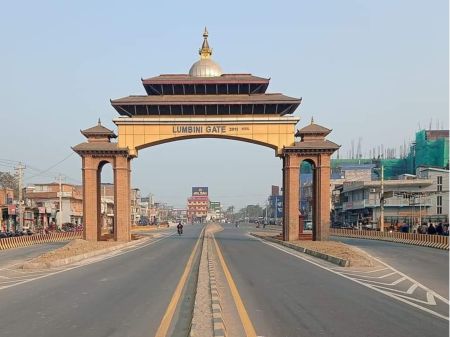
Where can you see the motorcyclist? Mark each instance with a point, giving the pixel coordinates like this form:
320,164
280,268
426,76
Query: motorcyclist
180,228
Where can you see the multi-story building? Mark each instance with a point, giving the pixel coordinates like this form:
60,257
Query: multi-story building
409,199
7,209
43,205
198,205
135,206
439,192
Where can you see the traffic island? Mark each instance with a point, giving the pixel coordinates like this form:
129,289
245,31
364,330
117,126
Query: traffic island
335,252
75,251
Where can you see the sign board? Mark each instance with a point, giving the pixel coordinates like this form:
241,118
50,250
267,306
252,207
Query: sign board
276,202
199,191
11,209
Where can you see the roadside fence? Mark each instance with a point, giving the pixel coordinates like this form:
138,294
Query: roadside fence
433,241
29,240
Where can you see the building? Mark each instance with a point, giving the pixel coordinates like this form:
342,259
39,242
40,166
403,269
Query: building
439,192
43,205
409,199
7,209
198,205
136,209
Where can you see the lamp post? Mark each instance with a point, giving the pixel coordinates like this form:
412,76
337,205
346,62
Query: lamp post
382,200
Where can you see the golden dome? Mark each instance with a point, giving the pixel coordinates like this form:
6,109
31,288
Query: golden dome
205,67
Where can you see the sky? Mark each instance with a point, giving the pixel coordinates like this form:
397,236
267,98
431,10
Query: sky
375,70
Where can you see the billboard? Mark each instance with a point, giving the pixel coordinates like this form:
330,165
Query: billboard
199,191
214,205
276,203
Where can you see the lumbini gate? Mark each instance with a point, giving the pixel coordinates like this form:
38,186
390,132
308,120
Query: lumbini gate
206,104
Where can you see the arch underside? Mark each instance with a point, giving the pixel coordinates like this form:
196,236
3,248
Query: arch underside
227,137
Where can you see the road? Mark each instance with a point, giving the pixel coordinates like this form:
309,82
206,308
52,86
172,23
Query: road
288,296
11,256
128,295
124,296
429,266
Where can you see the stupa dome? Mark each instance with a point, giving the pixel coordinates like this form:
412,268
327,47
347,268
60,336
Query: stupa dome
205,67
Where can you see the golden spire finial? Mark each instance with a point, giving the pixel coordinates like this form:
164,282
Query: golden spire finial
205,52
312,120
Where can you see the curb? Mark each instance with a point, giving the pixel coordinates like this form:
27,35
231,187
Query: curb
330,258
219,329
24,241
77,258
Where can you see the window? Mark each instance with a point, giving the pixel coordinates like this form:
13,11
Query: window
439,204
439,183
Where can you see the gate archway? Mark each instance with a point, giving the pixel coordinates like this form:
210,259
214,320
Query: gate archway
205,104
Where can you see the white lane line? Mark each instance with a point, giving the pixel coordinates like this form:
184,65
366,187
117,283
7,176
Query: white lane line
362,283
82,265
411,289
393,283
372,277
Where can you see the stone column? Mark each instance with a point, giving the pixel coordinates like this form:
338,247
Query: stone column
90,198
122,202
291,174
322,198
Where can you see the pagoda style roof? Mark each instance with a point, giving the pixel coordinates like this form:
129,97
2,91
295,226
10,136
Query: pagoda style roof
206,104
184,84
99,147
313,129
98,131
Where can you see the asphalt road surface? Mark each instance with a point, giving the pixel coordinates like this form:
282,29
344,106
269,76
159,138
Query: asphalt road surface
129,294
126,295
429,266
287,296
9,257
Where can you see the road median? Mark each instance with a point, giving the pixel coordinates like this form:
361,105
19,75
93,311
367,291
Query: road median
336,253
76,251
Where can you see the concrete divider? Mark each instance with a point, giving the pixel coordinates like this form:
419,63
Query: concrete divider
29,240
433,241
330,258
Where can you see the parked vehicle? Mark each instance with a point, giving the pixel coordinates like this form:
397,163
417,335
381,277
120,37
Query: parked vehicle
3,235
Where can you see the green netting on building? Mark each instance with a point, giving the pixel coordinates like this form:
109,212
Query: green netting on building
431,148
428,151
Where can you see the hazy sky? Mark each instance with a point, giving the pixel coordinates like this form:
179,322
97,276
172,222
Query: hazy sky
370,69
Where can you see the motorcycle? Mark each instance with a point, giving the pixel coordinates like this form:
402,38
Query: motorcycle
180,231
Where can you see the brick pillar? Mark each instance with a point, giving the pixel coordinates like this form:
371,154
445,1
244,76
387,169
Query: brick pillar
122,201
90,198
291,172
322,198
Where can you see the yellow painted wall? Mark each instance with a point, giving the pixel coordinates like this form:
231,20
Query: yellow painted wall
139,133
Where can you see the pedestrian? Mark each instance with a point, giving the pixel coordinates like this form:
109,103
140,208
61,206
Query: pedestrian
431,229
439,229
445,230
423,228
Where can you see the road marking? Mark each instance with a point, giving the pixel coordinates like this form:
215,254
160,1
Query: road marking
168,315
243,315
398,297
139,246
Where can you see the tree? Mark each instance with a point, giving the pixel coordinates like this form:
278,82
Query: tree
7,180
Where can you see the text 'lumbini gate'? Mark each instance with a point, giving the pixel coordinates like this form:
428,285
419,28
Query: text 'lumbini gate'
206,104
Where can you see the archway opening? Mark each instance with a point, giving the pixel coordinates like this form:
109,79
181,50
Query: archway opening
307,199
237,174
105,201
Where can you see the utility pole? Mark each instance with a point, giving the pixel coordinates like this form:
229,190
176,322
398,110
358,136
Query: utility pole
60,203
382,200
20,169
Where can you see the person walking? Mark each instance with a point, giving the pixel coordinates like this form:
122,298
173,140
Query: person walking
431,229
